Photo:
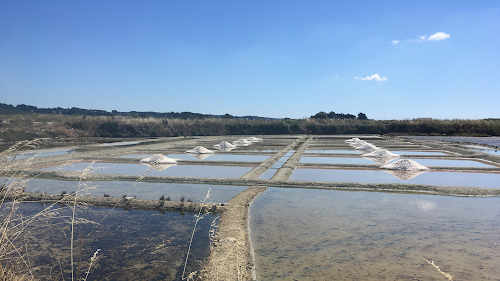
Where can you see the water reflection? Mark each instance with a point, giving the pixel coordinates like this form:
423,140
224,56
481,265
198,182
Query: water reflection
304,234
404,175
134,245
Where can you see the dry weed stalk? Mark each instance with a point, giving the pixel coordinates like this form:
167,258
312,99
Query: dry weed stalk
438,269
198,216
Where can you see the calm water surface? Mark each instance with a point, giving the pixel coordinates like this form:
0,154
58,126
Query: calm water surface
134,245
379,176
169,170
306,234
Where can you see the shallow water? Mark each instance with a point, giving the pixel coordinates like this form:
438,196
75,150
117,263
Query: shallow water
205,171
332,151
210,157
380,176
42,153
450,163
307,234
335,160
480,140
482,149
134,245
142,190
413,152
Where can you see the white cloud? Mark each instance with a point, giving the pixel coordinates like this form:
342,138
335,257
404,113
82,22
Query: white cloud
421,38
374,77
438,36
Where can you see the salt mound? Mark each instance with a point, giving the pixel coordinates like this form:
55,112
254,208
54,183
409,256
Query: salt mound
159,167
253,139
380,161
241,142
381,153
367,147
404,165
199,150
352,140
358,143
201,156
224,144
405,175
159,159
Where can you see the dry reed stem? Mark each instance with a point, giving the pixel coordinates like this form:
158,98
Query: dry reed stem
450,278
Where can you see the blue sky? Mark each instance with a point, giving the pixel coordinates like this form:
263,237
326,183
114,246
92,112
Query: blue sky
265,58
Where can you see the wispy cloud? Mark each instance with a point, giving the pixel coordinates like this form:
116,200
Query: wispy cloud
374,77
438,36
422,38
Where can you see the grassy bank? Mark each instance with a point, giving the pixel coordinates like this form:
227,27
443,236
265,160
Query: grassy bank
30,126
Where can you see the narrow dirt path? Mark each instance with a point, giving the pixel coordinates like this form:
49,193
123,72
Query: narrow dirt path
231,255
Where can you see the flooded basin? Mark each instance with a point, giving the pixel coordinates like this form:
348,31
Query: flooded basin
130,245
142,190
211,157
169,170
41,153
450,163
332,151
307,234
415,152
335,160
482,149
491,180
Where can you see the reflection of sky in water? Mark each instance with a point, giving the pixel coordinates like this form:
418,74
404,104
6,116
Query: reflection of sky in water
377,176
482,149
308,234
335,160
450,163
211,157
42,153
143,190
205,171
332,151
412,152
147,245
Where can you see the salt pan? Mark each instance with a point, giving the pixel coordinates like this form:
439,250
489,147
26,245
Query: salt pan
404,165
224,144
367,147
381,153
159,159
199,150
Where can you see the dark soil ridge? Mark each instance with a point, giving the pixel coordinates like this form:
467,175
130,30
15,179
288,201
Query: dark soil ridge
127,203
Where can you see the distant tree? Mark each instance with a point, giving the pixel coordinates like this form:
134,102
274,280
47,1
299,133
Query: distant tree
362,116
227,115
320,115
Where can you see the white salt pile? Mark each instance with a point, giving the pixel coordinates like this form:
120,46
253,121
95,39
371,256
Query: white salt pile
159,159
405,175
404,165
253,139
381,153
358,143
352,140
159,167
241,142
199,150
367,147
224,144
200,156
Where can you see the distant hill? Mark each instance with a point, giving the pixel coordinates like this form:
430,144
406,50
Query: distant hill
9,109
